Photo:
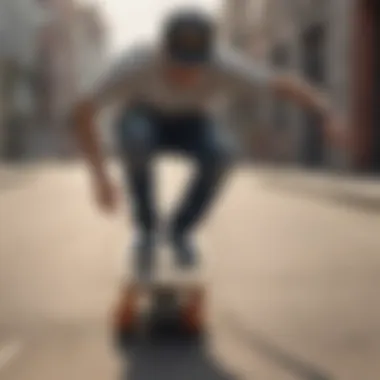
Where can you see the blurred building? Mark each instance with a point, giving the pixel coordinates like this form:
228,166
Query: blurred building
57,77
241,28
49,49
91,51
21,23
311,39
364,68
333,44
90,44
241,25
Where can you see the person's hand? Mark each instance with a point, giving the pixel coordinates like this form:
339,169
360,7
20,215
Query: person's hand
106,195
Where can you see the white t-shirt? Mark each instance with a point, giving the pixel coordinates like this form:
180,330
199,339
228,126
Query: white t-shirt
137,75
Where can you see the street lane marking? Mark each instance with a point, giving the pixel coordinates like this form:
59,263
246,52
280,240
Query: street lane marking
8,353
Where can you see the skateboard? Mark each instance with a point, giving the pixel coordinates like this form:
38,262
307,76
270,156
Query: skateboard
166,307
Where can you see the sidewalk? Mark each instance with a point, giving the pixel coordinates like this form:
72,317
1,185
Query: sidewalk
351,191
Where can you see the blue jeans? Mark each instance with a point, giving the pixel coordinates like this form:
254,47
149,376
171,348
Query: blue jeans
142,134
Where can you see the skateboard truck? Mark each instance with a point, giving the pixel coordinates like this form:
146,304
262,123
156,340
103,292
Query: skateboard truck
160,310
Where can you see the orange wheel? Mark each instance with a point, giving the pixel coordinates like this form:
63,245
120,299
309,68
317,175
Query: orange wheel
193,312
126,310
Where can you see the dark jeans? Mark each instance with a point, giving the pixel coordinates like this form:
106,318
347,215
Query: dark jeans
143,133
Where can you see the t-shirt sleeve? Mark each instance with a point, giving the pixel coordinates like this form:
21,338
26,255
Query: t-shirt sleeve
114,82
240,72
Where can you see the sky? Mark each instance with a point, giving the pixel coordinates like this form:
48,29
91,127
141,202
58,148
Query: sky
133,20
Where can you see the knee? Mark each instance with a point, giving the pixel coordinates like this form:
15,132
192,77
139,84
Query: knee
135,137
218,152
217,162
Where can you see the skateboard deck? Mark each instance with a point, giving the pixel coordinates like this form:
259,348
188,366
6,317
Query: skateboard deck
170,303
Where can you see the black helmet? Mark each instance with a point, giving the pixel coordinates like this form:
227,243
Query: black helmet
189,36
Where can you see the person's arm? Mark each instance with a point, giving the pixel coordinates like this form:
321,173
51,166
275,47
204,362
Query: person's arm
84,114
243,73
86,136
301,92
110,86
89,144
312,98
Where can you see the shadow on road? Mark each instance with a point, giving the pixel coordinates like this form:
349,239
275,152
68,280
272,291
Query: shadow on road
172,362
260,344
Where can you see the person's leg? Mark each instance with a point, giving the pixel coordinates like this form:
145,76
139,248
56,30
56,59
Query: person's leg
213,156
137,139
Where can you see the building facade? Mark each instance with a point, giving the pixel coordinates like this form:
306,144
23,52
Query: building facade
91,53
56,77
21,24
365,72
241,29
333,45
90,44
71,51
311,39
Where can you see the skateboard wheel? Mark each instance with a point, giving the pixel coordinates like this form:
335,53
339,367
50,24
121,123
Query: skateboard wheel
193,313
123,338
125,318
126,311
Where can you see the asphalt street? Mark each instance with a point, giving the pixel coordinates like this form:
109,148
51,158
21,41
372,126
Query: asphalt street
293,284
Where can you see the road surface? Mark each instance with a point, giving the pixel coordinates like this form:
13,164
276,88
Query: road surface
294,285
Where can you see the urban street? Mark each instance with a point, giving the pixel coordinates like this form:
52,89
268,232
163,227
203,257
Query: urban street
293,283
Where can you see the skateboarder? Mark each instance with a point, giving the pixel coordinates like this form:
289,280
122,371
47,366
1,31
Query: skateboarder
167,93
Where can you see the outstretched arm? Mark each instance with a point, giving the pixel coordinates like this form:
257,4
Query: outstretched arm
242,73
301,92
245,73
312,98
